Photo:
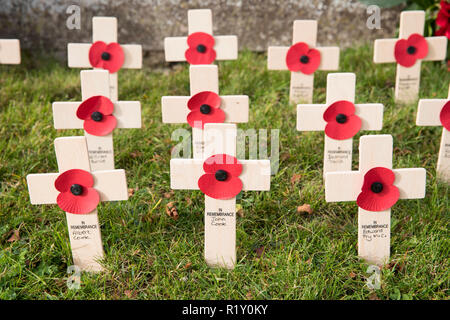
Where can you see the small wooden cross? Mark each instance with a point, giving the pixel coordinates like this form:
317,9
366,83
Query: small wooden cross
430,113
407,81
302,84
84,229
310,117
101,147
203,78
200,20
104,29
374,226
220,214
9,51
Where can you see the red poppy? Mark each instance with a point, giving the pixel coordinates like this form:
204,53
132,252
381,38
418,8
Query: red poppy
205,108
106,56
300,58
443,20
342,122
201,48
97,115
378,192
444,116
221,178
408,51
77,195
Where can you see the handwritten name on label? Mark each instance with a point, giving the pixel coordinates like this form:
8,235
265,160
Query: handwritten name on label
301,92
408,83
447,150
374,231
82,231
219,218
338,156
99,155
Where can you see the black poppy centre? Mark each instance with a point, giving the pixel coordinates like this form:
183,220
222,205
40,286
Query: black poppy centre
97,116
341,118
201,48
376,187
205,108
106,56
411,50
304,59
76,189
221,175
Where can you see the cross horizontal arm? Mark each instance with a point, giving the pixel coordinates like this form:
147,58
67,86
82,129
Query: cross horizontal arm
226,48
127,113
310,116
78,55
329,58
9,51
428,112
110,184
175,110
184,174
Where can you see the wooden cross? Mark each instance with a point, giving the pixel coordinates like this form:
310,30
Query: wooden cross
220,215
84,229
407,81
105,29
200,20
127,114
374,227
428,114
9,51
338,153
203,78
302,85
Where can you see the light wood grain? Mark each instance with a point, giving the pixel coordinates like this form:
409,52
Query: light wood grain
9,51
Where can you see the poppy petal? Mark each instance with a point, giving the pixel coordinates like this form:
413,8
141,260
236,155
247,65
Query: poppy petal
96,103
294,54
102,127
343,131
82,204
313,64
401,54
339,107
193,56
74,176
196,119
420,43
95,54
444,116
205,97
223,162
221,190
117,57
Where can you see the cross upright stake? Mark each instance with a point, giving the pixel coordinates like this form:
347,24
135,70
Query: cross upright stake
302,81
407,81
200,21
372,185
338,147
220,211
203,78
9,51
84,228
95,83
431,113
104,29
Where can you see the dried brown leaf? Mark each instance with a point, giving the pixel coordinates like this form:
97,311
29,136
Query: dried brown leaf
15,236
296,177
171,211
304,208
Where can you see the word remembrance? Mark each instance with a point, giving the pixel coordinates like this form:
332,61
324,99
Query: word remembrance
86,167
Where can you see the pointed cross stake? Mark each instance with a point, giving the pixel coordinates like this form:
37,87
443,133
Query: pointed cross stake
374,227
84,229
428,114
105,29
200,20
407,81
302,84
127,114
9,51
220,215
203,78
338,153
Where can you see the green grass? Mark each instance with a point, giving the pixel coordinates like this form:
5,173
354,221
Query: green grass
148,255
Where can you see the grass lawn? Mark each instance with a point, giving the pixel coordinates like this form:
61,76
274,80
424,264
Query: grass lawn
282,254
